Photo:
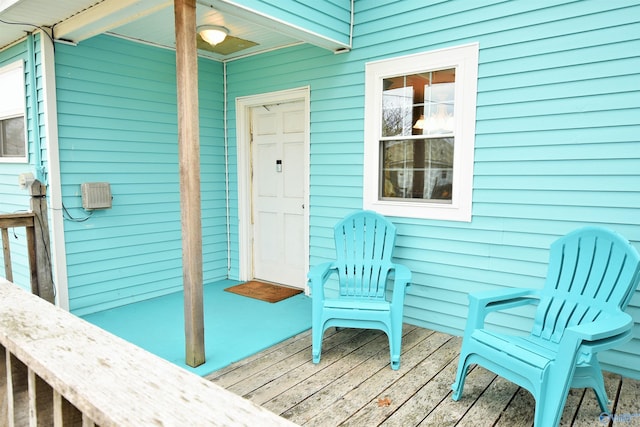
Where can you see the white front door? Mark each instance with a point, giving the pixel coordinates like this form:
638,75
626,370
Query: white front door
278,192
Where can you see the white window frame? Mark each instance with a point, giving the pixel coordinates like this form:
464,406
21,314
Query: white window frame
465,61
13,104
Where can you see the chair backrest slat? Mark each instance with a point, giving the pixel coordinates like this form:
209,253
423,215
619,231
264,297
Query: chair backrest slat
364,242
590,270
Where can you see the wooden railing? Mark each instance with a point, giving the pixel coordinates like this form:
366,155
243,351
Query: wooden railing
37,233
64,371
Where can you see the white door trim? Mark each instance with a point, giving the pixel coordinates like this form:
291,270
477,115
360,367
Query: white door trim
243,122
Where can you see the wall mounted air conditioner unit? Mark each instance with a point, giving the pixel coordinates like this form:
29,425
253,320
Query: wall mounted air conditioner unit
96,195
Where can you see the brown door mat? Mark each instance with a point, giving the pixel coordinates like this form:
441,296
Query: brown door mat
263,291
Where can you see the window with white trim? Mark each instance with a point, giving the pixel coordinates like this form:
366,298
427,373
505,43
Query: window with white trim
13,140
420,113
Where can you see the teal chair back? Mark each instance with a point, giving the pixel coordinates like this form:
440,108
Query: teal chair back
591,272
364,242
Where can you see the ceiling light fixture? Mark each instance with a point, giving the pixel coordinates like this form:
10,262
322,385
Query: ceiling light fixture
212,34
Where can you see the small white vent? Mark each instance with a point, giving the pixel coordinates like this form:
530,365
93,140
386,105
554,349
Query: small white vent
96,195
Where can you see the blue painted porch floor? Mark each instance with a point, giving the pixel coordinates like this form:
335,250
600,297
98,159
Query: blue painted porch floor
235,326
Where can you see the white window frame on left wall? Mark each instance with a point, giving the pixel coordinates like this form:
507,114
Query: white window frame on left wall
13,106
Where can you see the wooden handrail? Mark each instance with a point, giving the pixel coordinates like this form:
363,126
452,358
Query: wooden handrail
37,231
15,220
22,219
62,370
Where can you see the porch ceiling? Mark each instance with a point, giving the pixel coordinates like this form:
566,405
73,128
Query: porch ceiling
148,21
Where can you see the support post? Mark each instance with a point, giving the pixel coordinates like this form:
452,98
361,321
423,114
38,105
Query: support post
189,158
40,261
6,254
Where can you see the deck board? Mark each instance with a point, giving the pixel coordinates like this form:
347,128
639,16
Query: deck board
374,383
409,382
353,385
519,412
628,407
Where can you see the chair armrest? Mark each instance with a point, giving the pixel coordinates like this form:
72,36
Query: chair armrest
587,339
401,280
401,274
318,275
501,299
482,303
607,326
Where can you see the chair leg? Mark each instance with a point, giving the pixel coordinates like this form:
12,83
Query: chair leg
538,415
549,416
461,375
601,393
316,343
550,401
395,347
590,376
395,358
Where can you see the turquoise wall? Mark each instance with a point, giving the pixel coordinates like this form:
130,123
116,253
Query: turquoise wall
557,141
12,198
118,124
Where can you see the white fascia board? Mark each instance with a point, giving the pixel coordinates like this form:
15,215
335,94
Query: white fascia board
275,24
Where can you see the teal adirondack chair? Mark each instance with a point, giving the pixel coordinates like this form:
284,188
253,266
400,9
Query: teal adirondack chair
364,241
592,275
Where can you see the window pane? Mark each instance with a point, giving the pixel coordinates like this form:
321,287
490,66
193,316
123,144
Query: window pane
397,111
402,103
418,169
437,115
12,137
419,104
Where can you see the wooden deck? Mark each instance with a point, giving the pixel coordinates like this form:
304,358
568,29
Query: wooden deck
354,386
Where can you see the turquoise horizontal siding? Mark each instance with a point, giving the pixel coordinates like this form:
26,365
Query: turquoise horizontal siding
330,19
118,124
557,143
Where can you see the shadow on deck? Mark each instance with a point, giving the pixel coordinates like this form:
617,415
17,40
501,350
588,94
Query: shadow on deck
354,385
